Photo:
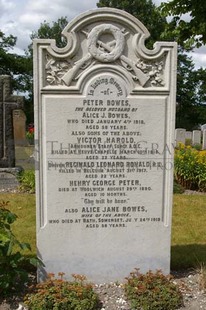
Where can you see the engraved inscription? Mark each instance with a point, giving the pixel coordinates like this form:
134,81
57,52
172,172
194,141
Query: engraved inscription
107,159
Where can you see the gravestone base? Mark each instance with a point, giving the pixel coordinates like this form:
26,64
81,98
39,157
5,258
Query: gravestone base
9,178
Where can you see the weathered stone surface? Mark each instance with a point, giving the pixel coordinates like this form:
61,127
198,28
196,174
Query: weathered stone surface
204,139
180,136
196,137
9,178
19,124
8,103
104,121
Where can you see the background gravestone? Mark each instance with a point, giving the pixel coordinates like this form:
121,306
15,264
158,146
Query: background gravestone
204,139
104,132
180,136
203,127
196,137
8,103
19,124
188,135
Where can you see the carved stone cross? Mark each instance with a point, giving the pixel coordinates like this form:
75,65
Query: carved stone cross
8,103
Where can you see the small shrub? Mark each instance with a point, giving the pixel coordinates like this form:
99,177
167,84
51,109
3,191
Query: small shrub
60,294
197,147
12,272
188,142
27,181
30,134
152,291
177,188
190,168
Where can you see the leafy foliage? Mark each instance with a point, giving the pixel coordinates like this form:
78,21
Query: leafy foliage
141,9
51,31
191,85
60,294
177,188
190,168
190,31
27,181
12,64
152,291
12,274
45,31
19,67
189,97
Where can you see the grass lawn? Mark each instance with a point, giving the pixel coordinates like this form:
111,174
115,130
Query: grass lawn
188,228
188,231
24,228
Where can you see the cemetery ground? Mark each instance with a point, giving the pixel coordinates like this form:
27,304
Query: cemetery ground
188,249
188,227
188,252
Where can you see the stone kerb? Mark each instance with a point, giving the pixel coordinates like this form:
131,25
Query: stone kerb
104,121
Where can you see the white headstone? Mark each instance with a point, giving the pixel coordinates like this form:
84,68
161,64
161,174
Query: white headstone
203,127
180,134
188,137
204,140
104,121
188,134
196,137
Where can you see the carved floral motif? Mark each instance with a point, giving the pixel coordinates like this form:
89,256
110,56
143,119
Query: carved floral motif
144,73
57,69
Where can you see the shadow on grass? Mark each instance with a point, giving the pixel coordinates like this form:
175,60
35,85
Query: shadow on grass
188,256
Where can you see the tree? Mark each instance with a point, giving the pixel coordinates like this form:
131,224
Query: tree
53,31
12,64
145,11
188,85
200,77
189,88
190,32
187,112
46,31
201,80
19,67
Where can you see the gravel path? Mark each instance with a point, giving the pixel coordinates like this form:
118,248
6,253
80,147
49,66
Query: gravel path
112,295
